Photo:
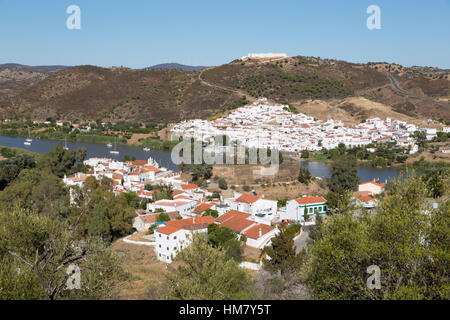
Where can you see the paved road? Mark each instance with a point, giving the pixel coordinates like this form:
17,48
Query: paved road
396,86
300,243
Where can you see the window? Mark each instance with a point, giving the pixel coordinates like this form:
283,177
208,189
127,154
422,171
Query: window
167,248
310,210
167,237
160,235
174,248
160,246
175,238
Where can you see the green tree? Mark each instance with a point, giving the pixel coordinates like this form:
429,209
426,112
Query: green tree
406,238
163,216
207,274
282,253
36,250
10,168
304,176
62,162
132,199
224,237
223,184
344,174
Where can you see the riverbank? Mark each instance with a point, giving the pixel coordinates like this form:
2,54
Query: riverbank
9,152
137,140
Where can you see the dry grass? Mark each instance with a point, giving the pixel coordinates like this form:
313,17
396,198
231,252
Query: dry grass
281,191
145,269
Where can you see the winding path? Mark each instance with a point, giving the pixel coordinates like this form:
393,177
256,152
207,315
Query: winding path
396,87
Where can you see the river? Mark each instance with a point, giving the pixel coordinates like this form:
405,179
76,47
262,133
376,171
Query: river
93,150
317,169
321,169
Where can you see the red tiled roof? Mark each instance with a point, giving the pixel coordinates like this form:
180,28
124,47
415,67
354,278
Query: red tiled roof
231,214
203,207
168,229
237,224
253,232
177,192
374,182
367,198
310,200
149,218
189,186
248,198
150,168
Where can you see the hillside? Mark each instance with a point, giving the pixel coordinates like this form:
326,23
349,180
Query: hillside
16,77
176,66
322,88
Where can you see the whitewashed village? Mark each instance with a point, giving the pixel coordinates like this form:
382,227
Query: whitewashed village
265,125
253,217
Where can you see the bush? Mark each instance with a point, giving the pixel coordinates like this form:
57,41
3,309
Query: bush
223,184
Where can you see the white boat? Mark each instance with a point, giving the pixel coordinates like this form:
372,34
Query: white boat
29,138
146,149
27,143
115,148
109,145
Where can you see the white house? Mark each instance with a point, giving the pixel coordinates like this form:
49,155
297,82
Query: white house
373,187
260,235
295,209
255,205
176,235
184,207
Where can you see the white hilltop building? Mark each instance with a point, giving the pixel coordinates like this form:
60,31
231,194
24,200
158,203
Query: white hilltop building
270,55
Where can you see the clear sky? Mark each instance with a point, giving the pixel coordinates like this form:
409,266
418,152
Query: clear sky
141,33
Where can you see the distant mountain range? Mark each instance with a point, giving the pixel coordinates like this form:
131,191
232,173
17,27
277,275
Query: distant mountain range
32,68
176,66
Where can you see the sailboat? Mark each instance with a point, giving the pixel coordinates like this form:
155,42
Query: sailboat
65,144
115,148
146,149
28,139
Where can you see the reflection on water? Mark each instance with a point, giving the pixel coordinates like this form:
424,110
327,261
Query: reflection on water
320,169
93,150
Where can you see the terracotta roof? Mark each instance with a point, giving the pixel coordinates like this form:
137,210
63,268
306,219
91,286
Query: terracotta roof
139,162
189,186
203,207
310,200
150,168
149,218
188,224
367,198
248,198
374,182
237,224
190,221
253,232
168,229
177,192
231,214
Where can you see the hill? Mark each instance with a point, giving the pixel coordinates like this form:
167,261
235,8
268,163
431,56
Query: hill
16,77
176,66
320,87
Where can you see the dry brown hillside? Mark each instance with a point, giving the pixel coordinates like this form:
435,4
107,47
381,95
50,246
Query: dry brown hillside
322,88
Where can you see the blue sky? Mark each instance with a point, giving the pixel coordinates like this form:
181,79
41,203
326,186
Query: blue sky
140,33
